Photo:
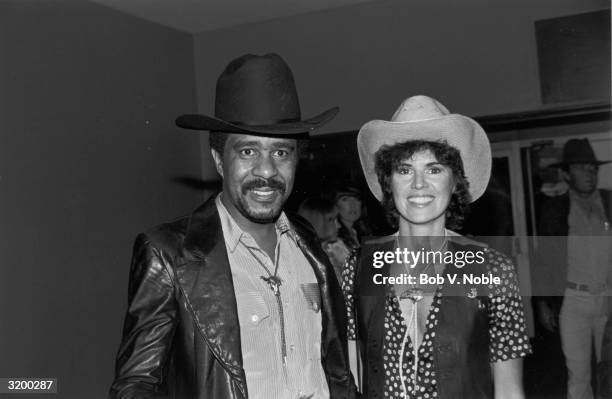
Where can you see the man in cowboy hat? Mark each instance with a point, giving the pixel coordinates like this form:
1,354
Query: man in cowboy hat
238,300
573,265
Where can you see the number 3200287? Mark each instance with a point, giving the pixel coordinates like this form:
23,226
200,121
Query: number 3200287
43,385
37,384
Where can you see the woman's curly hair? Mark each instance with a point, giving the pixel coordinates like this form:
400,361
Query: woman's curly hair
388,159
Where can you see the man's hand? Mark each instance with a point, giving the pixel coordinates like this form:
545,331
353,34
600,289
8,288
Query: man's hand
547,317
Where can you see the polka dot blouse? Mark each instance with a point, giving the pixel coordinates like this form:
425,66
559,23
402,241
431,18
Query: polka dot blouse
507,335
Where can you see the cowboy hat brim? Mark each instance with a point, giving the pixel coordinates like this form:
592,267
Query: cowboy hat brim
203,122
459,131
590,161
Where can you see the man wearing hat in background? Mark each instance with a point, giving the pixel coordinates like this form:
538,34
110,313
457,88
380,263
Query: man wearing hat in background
238,300
573,266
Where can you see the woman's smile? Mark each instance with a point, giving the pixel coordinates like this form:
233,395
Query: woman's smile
420,201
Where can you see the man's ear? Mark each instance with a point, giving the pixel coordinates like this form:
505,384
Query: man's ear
218,158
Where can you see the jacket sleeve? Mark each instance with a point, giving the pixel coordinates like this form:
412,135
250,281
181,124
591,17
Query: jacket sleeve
545,263
540,268
141,366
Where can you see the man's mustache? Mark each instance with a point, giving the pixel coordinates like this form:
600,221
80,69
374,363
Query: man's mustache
270,183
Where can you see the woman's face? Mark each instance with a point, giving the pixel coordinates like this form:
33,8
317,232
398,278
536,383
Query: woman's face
349,208
422,189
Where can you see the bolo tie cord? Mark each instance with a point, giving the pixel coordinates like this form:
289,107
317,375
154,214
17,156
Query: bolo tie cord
413,322
274,282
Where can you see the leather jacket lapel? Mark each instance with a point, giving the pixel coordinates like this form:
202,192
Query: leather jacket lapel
205,278
332,303
308,247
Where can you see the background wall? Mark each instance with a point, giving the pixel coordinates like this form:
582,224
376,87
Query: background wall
477,57
88,153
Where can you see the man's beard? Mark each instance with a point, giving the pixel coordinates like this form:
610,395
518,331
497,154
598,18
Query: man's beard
269,216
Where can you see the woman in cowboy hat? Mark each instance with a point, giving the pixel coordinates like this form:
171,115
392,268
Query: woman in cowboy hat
426,325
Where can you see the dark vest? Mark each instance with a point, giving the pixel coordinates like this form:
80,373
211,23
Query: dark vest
461,344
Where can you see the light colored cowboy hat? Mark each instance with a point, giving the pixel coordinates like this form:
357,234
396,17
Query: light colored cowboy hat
424,118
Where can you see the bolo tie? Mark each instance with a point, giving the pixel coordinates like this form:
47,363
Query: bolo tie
274,282
415,295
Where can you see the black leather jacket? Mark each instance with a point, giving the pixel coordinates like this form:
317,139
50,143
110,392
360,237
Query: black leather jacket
181,337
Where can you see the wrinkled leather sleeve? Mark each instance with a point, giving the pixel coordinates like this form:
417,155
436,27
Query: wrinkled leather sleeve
141,366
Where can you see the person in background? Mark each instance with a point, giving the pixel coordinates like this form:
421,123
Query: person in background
322,214
353,225
572,270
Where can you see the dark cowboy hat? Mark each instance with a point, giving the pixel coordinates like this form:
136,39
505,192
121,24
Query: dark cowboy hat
256,95
578,151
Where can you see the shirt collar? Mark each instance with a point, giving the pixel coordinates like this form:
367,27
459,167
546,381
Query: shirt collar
232,232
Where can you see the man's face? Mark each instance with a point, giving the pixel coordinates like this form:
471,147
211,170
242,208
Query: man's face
258,175
582,177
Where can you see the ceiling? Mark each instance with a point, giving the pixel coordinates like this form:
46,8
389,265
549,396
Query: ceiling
201,15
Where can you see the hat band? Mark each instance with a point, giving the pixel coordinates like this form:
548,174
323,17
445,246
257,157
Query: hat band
264,122
581,160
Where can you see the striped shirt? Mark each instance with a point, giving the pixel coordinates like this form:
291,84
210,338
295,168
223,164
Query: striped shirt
269,374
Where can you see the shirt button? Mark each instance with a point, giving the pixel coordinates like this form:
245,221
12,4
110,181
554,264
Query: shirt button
254,318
